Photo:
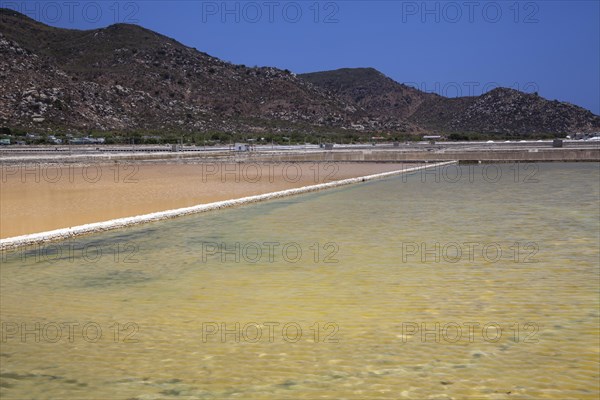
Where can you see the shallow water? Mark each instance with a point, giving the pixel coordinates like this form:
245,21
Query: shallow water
507,265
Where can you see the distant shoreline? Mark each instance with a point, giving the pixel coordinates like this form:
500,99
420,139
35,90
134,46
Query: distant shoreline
506,151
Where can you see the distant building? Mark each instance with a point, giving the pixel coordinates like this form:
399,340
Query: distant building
87,140
52,139
242,147
432,138
585,136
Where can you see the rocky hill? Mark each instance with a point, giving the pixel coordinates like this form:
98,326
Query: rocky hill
385,101
127,78
370,90
500,111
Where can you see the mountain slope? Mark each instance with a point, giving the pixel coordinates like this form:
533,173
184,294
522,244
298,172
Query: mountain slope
370,90
127,77
503,111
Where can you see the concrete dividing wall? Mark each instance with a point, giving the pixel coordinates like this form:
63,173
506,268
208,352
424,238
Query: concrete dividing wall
358,155
525,155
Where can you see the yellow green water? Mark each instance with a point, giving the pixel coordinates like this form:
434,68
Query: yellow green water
362,300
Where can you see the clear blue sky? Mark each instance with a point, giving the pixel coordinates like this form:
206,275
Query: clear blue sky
452,47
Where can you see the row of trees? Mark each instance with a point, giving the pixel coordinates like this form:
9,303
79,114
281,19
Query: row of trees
198,139
221,138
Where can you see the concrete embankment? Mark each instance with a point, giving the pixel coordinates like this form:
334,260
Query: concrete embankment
524,155
531,154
